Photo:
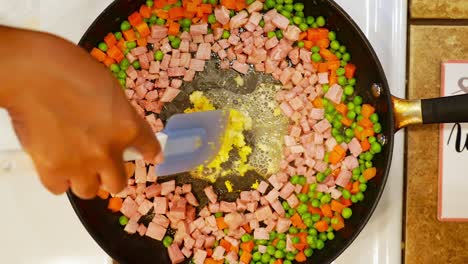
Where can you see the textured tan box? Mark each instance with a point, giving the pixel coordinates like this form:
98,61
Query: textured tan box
439,9
428,240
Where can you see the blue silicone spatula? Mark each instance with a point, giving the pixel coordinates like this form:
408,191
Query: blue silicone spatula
187,141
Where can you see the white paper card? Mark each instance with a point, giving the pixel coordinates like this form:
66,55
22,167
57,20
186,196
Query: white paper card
453,150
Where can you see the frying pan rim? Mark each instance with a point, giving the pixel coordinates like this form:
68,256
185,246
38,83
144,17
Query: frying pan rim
390,142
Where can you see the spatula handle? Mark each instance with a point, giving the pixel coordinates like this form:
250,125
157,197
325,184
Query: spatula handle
18,162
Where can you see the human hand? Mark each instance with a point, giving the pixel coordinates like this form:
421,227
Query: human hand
69,113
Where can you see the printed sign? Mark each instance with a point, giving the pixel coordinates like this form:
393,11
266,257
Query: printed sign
453,150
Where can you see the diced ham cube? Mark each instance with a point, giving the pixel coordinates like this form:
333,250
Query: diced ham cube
199,256
218,253
160,205
350,163
165,62
240,67
317,113
256,6
142,229
204,51
343,178
280,21
264,213
271,43
167,187
261,234
176,83
355,147
176,72
291,33
262,187
184,46
272,196
286,75
161,220
262,249
232,258
286,109
191,199
251,207
293,201
227,207
159,32
209,38
234,220
334,94
274,182
189,75
145,207
209,192
287,190
131,227
187,252
233,40
197,65
322,126
296,103
198,30
213,207
222,15
209,242
198,39
175,254
323,77
170,94
140,172
268,16
239,20
276,205
129,207
155,231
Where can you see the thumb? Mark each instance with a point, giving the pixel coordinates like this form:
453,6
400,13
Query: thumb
146,143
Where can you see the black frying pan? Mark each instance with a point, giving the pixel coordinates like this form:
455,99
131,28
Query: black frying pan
394,113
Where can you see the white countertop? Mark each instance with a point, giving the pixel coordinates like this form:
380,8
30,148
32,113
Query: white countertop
42,228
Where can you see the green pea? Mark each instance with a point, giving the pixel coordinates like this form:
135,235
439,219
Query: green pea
303,26
346,194
299,7
226,34
187,22
349,133
348,90
293,230
325,199
124,64
286,13
346,57
362,187
289,7
316,57
342,49
218,214
123,220
360,196
334,45
320,177
321,21
167,241
122,74
357,100
338,55
330,235
368,164
160,22
256,256
294,179
300,14
300,44
368,156
285,205
131,44
279,7
270,3
282,236
158,55
266,258
271,34
279,254
249,2
176,43
290,256
342,80
320,244
377,128
136,65
246,238
354,199
103,46
149,3
125,25
115,68
314,25
297,20
302,181
358,109
375,147
372,139
315,203
308,222
281,244
287,261
288,2
351,115
374,118
271,250
279,34
261,23
323,237
292,211
340,71
320,195
118,35
302,208
310,20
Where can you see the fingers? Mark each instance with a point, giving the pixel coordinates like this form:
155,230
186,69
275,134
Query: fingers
112,172
54,183
146,143
85,185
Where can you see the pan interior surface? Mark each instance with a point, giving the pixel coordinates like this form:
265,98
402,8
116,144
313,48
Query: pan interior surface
104,226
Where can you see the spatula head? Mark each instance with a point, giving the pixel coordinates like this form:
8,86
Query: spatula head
192,140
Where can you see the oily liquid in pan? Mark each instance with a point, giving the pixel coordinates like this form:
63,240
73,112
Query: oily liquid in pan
254,95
